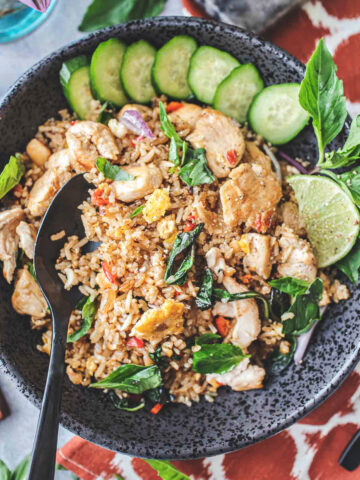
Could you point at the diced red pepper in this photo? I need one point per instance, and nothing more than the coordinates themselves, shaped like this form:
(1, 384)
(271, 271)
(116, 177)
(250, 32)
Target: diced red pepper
(156, 408)
(231, 157)
(223, 325)
(140, 138)
(173, 106)
(191, 218)
(246, 278)
(108, 272)
(189, 227)
(72, 122)
(97, 198)
(135, 342)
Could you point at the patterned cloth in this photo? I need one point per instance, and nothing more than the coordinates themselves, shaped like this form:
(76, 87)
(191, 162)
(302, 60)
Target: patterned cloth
(310, 449)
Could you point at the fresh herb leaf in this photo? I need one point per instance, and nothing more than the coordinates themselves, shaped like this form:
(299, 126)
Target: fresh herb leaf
(350, 153)
(166, 470)
(279, 361)
(217, 358)
(5, 473)
(106, 113)
(21, 471)
(11, 175)
(132, 378)
(184, 243)
(81, 303)
(350, 264)
(225, 296)
(185, 147)
(173, 153)
(322, 96)
(167, 127)
(279, 303)
(104, 13)
(290, 285)
(114, 172)
(158, 395)
(88, 314)
(204, 299)
(137, 211)
(351, 180)
(31, 269)
(125, 403)
(158, 358)
(195, 170)
(207, 338)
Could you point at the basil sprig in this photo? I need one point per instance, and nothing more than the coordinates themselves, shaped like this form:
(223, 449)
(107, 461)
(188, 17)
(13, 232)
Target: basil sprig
(350, 264)
(132, 378)
(137, 211)
(125, 403)
(184, 243)
(280, 361)
(88, 310)
(349, 153)
(114, 172)
(290, 285)
(11, 175)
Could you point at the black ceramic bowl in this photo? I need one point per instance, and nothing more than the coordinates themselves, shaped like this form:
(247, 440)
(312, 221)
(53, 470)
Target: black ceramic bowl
(234, 420)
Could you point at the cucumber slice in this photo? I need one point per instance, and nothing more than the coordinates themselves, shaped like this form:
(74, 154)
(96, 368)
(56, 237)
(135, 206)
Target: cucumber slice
(208, 67)
(236, 92)
(276, 114)
(136, 71)
(105, 72)
(75, 80)
(171, 67)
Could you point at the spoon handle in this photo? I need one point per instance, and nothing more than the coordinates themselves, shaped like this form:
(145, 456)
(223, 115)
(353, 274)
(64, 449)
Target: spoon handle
(44, 451)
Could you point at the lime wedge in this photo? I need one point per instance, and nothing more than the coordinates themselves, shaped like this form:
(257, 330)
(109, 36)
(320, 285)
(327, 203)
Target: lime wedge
(330, 217)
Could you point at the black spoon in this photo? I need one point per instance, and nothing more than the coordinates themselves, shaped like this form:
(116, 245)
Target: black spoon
(63, 214)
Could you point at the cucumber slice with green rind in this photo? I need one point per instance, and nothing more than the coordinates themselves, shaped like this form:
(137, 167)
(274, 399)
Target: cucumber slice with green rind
(105, 72)
(208, 67)
(75, 80)
(136, 71)
(235, 93)
(171, 67)
(276, 113)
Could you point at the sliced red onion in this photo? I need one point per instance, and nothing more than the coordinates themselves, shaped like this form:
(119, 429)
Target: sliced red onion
(136, 124)
(39, 5)
(303, 340)
(292, 162)
(274, 161)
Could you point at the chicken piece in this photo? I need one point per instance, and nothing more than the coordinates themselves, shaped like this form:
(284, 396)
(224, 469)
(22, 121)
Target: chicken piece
(253, 154)
(289, 214)
(157, 323)
(147, 179)
(211, 220)
(259, 253)
(222, 139)
(251, 192)
(156, 205)
(44, 190)
(117, 128)
(62, 160)
(216, 262)
(188, 114)
(89, 140)
(27, 298)
(296, 258)
(243, 377)
(27, 235)
(246, 326)
(9, 240)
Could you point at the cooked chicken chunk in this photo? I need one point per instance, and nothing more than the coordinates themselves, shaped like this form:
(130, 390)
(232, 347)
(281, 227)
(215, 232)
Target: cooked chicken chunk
(296, 258)
(147, 179)
(213, 223)
(27, 235)
(216, 262)
(61, 160)
(9, 240)
(222, 139)
(259, 253)
(188, 114)
(253, 154)
(246, 325)
(289, 213)
(243, 377)
(27, 298)
(251, 192)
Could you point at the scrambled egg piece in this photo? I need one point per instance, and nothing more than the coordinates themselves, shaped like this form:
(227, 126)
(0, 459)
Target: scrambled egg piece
(156, 206)
(157, 323)
(167, 229)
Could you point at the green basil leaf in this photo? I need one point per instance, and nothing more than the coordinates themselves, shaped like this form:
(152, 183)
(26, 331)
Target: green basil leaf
(183, 243)
(279, 303)
(204, 299)
(173, 153)
(207, 338)
(290, 285)
(352, 181)
(166, 470)
(195, 170)
(11, 175)
(350, 264)
(125, 403)
(279, 361)
(132, 378)
(322, 96)
(137, 211)
(31, 269)
(158, 358)
(104, 13)
(185, 147)
(158, 395)
(106, 113)
(5, 473)
(225, 296)
(81, 303)
(114, 172)
(21, 471)
(217, 358)
(88, 314)
(167, 127)
(350, 153)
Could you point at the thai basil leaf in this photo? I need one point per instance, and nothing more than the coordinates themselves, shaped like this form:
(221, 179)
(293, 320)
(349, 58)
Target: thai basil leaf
(185, 147)
(166, 470)
(279, 361)
(217, 358)
(350, 153)
(184, 242)
(106, 113)
(137, 211)
(160, 360)
(168, 128)
(207, 338)
(11, 175)
(132, 378)
(279, 303)
(5, 473)
(104, 13)
(350, 264)
(204, 298)
(225, 296)
(114, 172)
(88, 314)
(173, 153)
(290, 285)
(158, 395)
(125, 403)
(195, 170)
(322, 96)
(31, 269)
(21, 471)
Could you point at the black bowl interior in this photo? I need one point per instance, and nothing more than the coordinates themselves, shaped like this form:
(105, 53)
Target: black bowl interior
(234, 420)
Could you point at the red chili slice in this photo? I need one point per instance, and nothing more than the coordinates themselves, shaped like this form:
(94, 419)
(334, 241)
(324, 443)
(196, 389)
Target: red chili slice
(156, 408)
(135, 342)
(173, 106)
(231, 157)
(189, 227)
(108, 272)
(97, 199)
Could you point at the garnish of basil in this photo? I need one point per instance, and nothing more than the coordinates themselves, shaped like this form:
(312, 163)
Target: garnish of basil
(11, 175)
(184, 243)
(351, 263)
(125, 403)
(195, 170)
(132, 378)
(167, 127)
(113, 172)
(290, 285)
(88, 310)
(137, 211)
(204, 299)
(280, 361)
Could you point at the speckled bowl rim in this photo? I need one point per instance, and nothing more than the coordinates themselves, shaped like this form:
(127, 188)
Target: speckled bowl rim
(67, 421)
